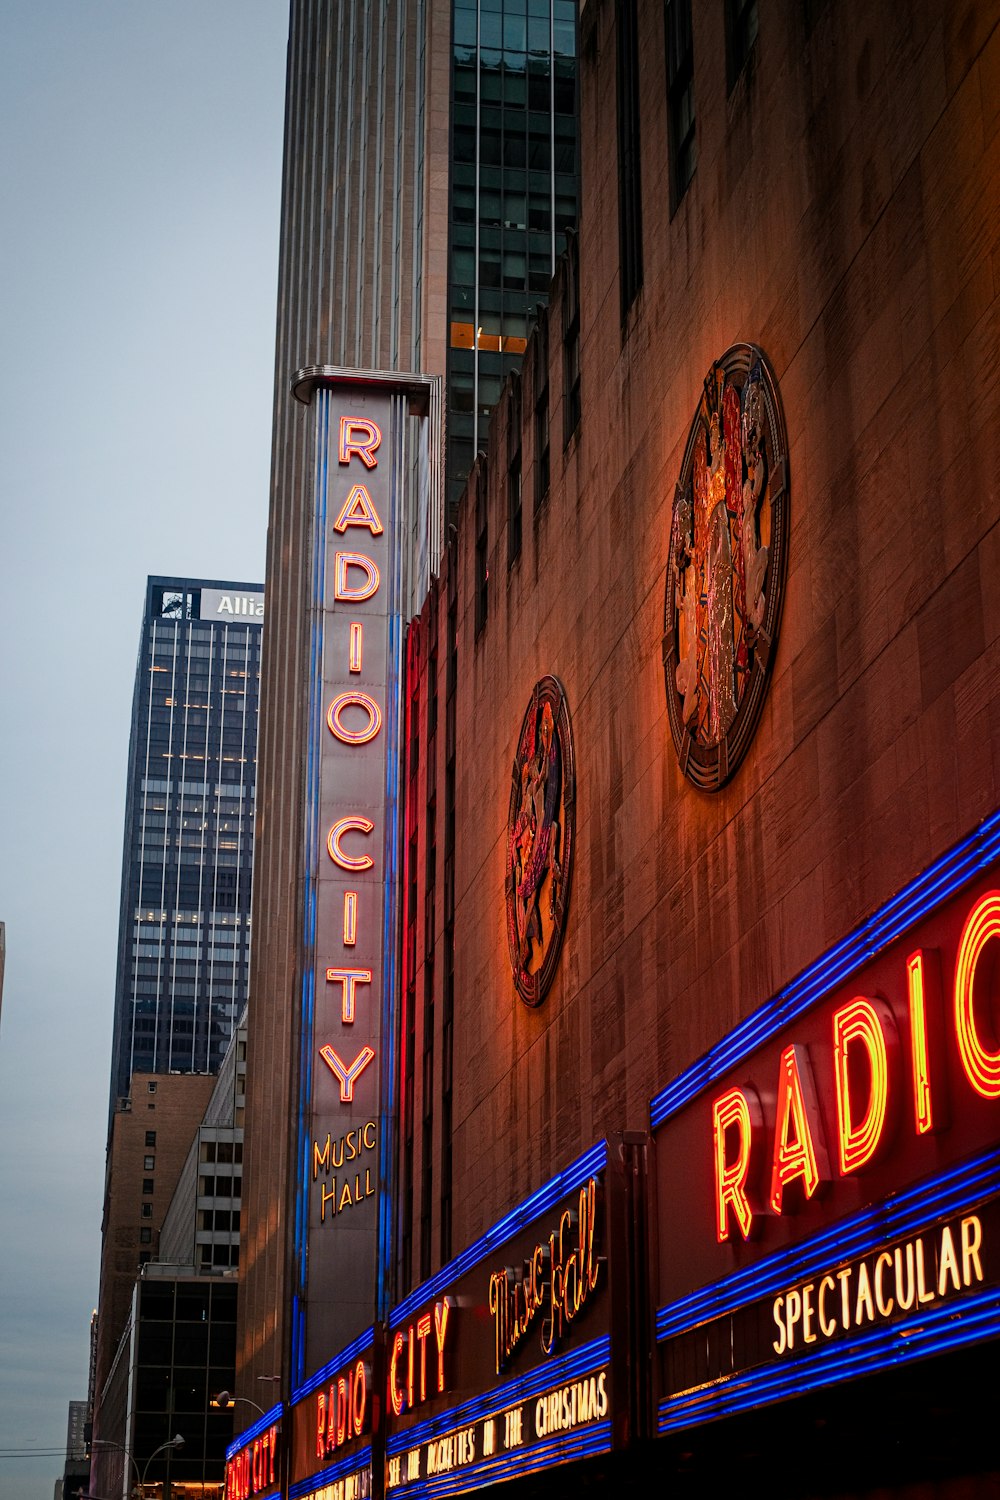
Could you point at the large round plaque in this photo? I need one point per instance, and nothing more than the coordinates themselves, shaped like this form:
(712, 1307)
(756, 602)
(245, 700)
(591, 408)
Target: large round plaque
(540, 825)
(726, 568)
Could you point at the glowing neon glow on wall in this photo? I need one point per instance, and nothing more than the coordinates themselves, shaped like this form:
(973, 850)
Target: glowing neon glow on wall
(355, 593)
(347, 1073)
(982, 927)
(799, 1144)
(737, 1111)
(352, 862)
(358, 510)
(368, 706)
(361, 438)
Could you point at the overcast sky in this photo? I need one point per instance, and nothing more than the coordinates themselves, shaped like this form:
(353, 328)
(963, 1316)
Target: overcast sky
(140, 148)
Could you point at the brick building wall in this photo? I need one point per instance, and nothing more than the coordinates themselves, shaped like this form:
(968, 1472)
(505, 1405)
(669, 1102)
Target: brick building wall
(149, 1145)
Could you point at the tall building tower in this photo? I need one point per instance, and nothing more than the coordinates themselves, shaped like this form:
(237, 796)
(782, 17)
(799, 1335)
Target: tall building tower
(184, 934)
(429, 172)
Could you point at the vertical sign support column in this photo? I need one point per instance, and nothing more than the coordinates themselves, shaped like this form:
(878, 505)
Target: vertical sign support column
(369, 519)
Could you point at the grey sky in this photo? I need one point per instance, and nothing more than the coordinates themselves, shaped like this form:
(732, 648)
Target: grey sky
(140, 149)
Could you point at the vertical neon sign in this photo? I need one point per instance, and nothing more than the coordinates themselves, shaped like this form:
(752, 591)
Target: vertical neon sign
(361, 588)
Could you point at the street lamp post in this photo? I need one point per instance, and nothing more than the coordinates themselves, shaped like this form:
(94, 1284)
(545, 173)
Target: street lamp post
(226, 1399)
(171, 1443)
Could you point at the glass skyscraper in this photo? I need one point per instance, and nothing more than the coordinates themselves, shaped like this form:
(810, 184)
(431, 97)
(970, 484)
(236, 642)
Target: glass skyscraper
(184, 934)
(513, 193)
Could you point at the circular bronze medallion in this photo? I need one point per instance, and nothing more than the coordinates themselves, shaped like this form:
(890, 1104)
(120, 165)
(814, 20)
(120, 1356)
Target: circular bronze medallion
(540, 840)
(726, 571)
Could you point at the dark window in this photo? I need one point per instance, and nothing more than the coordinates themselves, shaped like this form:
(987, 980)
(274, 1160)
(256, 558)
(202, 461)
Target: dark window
(150, 1137)
(147, 1185)
(541, 411)
(145, 1256)
(629, 179)
(482, 548)
(145, 1236)
(741, 33)
(680, 97)
(514, 473)
(147, 1210)
(151, 1086)
(571, 337)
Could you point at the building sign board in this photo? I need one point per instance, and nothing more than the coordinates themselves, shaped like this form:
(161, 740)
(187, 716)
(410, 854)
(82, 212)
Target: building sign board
(235, 606)
(514, 1358)
(375, 512)
(835, 1162)
(255, 1461)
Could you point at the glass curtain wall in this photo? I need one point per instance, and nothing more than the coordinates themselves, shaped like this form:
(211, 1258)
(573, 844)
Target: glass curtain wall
(513, 193)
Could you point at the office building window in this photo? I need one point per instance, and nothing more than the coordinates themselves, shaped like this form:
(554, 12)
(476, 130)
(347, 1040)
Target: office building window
(145, 1236)
(150, 1137)
(147, 1185)
(680, 97)
(741, 33)
(629, 170)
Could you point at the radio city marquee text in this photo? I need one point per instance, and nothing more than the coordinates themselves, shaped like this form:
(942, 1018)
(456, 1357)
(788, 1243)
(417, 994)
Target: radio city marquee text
(552, 1285)
(342, 1409)
(560, 1410)
(869, 1074)
(417, 1359)
(354, 718)
(254, 1469)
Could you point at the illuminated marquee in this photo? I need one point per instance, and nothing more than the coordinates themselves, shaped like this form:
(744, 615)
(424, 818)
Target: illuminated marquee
(509, 1360)
(840, 1179)
(554, 1283)
(254, 1462)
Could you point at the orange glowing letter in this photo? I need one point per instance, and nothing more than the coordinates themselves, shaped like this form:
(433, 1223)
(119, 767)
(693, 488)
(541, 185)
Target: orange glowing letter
(337, 726)
(359, 1397)
(799, 1145)
(348, 978)
(355, 593)
(350, 918)
(346, 1073)
(982, 1067)
(358, 435)
(859, 1021)
(348, 861)
(358, 510)
(923, 975)
(356, 646)
(440, 1328)
(737, 1109)
(395, 1394)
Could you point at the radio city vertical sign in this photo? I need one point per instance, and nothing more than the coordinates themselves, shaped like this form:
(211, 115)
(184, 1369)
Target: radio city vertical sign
(368, 509)
(835, 1161)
